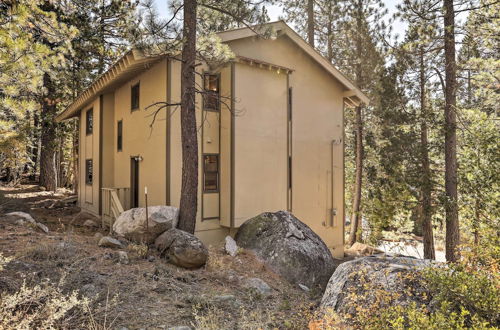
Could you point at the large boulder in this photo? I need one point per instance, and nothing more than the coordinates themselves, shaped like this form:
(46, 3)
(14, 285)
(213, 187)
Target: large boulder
(182, 249)
(375, 280)
(289, 247)
(131, 224)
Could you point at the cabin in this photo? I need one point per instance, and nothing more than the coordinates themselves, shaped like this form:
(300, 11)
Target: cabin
(271, 136)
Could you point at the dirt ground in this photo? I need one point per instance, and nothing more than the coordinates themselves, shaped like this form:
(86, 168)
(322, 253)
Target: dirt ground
(146, 293)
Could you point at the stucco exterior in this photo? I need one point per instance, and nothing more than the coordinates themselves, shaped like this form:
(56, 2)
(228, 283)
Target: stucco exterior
(278, 136)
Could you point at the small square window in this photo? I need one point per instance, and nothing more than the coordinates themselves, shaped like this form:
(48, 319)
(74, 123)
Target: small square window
(134, 97)
(89, 172)
(119, 137)
(211, 97)
(89, 121)
(211, 173)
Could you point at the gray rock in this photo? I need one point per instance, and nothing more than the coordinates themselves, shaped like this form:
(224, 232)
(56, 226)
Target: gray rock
(91, 224)
(131, 224)
(182, 249)
(355, 282)
(231, 247)
(224, 298)
(303, 287)
(98, 236)
(110, 242)
(289, 247)
(123, 257)
(180, 327)
(42, 227)
(258, 285)
(14, 216)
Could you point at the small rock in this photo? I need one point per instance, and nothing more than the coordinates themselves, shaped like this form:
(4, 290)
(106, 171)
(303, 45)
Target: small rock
(110, 242)
(258, 285)
(20, 222)
(180, 327)
(98, 236)
(182, 248)
(151, 258)
(123, 257)
(21, 215)
(231, 246)
(89, 290)
(42, 227)
(91, 224)
(303, 287)
(41, 188)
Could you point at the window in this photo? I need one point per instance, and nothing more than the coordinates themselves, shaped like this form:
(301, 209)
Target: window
(211, 100)
(89, 121)
(88, 171)
(211, 173)
(119, 137)
(134, 97)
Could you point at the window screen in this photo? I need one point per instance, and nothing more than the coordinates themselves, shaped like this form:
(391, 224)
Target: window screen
(89, 122)
(88, 171)
(119, 137)
(135, 94)
(210, 173)
(211, 100)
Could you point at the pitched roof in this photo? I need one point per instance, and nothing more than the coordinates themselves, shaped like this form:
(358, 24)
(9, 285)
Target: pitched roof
(134, 62)
(353, 93)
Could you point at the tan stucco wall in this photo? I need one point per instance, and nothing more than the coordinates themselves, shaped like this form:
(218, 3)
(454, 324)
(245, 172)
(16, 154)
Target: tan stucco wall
(108, 140)
(139, 139)
(261, 158)
(317, 120)
(88, 195)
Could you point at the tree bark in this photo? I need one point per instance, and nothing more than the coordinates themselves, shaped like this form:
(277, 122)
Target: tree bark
(310, 22)
(450, 144)
(356, 203)
(426, 187)
(189, 189)
(48, 172)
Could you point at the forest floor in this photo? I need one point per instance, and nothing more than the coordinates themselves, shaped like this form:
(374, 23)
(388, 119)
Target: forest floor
(145, 293)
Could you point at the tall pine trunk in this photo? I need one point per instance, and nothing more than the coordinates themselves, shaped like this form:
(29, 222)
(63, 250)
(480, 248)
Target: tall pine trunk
(355, 233)
(189, 189)
(356, 203)
(450, 144)
(426, 187)
(310, 22)
(48, 171)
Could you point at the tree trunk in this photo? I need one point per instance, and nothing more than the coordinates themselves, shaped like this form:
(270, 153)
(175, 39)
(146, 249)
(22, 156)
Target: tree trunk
(48, 172)
(329, 44)
(189, 189)
(426, 187)
(310, 22)
(450, 144)
(356, 203)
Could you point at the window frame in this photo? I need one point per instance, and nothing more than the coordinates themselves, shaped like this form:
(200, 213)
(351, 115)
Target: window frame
(132, 106)
(217, 172)
(87, 181)
(119, 135)
(217, 107)
(89, 129)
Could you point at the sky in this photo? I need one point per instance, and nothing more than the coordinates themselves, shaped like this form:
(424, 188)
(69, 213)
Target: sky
(275, 12)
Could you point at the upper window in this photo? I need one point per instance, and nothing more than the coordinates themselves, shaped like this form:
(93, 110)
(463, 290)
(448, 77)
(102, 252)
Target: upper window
(134, 96)
(211, 173)
(119, 136)
(88, 171)
(211, 99)
(89, 121)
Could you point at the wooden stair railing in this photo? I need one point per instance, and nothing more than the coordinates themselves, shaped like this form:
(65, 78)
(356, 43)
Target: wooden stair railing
(114, 202)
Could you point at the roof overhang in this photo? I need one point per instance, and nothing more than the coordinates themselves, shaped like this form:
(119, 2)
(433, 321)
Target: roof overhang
(352, 94)
(128, 66)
